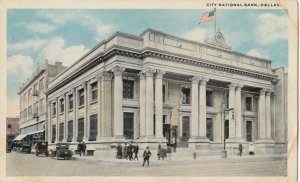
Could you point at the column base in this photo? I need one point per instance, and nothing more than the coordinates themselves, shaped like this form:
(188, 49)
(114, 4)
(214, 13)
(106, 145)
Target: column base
(198, 140)
(235, 140)
(264, 146)
(265, 141)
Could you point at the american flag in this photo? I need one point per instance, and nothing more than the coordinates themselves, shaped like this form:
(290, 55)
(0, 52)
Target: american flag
(207, 17)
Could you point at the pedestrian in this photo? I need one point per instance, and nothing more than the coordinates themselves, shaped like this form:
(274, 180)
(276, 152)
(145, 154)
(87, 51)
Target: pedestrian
(240, 149)
(163, 151)
(158, 151)
(136, 151)
(79, 148)
(130, 150)
(83, 148)
(119, 151)
(251, 149)
(146, 156)
(125, 151)
(174, 144)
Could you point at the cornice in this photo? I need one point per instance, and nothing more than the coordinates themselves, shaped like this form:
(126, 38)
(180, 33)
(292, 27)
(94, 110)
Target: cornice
(138, 54)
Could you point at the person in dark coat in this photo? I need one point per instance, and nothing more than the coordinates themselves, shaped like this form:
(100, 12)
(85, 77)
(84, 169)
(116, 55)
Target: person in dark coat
(125, 155)
(119, 151)
(159, 151)
(240, 149)
(136, 151)
(130, 151)
(83, 148)
(79, 148)
(146, 156)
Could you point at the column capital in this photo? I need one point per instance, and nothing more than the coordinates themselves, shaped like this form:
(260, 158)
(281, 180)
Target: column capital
(239, 87)
(149, 72)
(269, 92)
(232, 85)
(118, 70)
(160, 73)
(262, 91)
(204, 80)
(195, 79)
(105, 76)
(142, 75)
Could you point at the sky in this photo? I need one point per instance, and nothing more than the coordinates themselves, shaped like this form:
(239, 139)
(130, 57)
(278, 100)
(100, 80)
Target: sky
(34, 35)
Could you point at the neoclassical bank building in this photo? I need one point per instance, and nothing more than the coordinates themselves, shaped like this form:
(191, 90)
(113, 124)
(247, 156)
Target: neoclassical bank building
(158, 87)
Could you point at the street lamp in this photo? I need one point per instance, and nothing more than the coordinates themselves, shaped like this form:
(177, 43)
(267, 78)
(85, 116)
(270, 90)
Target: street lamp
(224, 152)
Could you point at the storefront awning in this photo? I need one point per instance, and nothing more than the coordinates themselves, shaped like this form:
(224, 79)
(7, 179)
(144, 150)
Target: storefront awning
(20, 137)
(35, 132)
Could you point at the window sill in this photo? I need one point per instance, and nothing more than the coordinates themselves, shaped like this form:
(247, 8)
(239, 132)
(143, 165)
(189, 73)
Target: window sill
(54, 116)
(62, 113)
(93, 102)
(70, 110)
(82, 106)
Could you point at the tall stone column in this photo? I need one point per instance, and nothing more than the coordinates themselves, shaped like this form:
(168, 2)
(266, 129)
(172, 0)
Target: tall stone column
(57, 123)
(66, 117)
(238, 111)
(231, 104)
(99, 121)
(118, 96)
(268, 115)
(195, 105)
(142, 105)
(106, 105)
(159, 104)
(86, 114)
(262, 114)
(149, 72)
(75, 109)
(202, 109)
(48, 130)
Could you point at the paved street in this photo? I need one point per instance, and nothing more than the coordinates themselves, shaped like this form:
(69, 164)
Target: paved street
(28, 164)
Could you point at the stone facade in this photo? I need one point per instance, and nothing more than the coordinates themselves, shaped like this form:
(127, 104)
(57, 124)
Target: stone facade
(155, 87)
(33, 113)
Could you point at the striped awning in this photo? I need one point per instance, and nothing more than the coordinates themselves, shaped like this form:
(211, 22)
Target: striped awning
(20, 137)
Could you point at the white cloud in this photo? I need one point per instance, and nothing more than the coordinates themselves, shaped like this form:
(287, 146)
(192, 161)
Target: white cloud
(271, 28)
(20, 66)
(40, 27)
(258, 53)
(33, 44)
(199, 35)
(56, 51)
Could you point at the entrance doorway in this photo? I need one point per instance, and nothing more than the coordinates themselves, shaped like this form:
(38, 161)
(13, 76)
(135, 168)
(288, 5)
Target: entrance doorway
(128, 125)
(249, 131)
(185, 128)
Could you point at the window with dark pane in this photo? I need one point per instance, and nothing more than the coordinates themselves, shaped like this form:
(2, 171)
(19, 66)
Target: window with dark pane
(54, 109)
(164, 92)
(128, 125)
(80, 129)
(8, 126)
(185, 128)
(128, 89)
(154, 124)
(81, 97)
(70, 131)
(53, 138)
(185, 95)
(209, 129)
(62, 106)
(71, 101)
(94, 91)
(61, 132)
(249, 103)
(209, 98)
(93, 127)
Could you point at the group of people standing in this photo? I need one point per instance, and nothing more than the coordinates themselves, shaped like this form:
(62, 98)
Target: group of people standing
(127, 151)
(81, 147)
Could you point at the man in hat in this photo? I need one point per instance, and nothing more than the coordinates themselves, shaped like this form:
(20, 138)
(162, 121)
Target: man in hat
(146, 156)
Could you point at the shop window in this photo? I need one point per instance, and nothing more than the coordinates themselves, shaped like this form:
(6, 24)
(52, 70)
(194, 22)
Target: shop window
(249, 105)
(71, 102)
(185, 95)
(93, 127)
(62, 105)
(70, 131)
(61, 132)
(94, 92)
(209, 98)
(81, 97)
(53, 138)
(80, 129)
(210, 129)
(128, 89)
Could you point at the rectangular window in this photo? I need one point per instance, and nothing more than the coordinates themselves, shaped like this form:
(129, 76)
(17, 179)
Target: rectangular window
(42, 106)
(25, 114)
(61, 131)
(8, 126)
(185, 128)
(94, 92)
(70, 131)
(29, 94)
(80, 129)
(164, 91)
(185, 95)
(154, 124)
(209, 129)
(62, 106)
(93, 127)
(35, 88)
(249, 104)
(71, 102)
(53, 108)
(30, 112)
(209, 98)
(41, 84)
(53, 138)
(128, 89)
(81, 97)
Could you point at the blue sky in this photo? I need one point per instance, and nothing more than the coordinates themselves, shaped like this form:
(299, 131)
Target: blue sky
(65, 35)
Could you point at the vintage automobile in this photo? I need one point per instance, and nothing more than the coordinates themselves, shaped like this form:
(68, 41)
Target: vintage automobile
(25, 147)
(41, 147)
(62, 151)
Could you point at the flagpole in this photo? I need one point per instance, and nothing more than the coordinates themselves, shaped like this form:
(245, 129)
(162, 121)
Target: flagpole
(215, 19)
